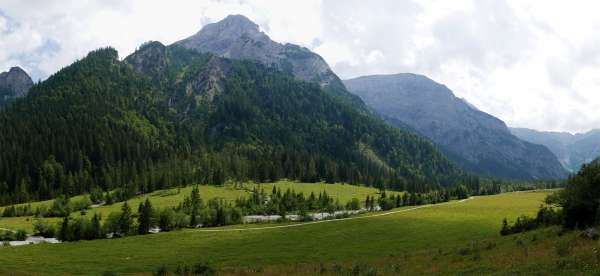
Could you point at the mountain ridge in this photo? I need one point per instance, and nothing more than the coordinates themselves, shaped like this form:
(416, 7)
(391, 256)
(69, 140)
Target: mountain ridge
(237, 37)
(572, 150)
(478, 141)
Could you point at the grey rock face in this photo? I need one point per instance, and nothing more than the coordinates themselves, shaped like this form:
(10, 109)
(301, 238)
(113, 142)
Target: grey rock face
(572, 150)
(237, 37)
(481, 143)
(13, 84)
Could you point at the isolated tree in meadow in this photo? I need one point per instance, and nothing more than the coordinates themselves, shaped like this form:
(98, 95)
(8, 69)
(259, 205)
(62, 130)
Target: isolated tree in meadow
(125, 219)
(166, 220)
(64, 234)
(145, 213)
(95, 228)
(368, 203)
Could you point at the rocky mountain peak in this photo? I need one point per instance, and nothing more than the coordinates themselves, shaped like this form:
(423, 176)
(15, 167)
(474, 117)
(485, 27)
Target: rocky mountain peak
(237, 37)
(14, 84)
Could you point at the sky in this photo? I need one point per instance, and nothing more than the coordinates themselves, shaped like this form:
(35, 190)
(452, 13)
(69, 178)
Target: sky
(533, 64)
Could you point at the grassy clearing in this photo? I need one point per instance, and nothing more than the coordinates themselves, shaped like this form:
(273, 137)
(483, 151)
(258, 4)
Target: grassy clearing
(172, 198)
(439, 228)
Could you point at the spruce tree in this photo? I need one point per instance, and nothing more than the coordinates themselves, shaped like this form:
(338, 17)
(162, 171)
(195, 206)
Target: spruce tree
(95, 228)
(125, 220)
(145, 214)
(65, 232)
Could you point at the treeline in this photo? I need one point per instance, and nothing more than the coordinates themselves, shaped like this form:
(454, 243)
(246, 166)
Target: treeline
(61, 206)
(282, 203)
(546, 216)
(193, 212)
(100, 125)
(576, 206)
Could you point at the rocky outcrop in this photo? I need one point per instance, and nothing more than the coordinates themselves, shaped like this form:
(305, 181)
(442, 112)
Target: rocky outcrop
(480, 142)
(13, 84)
(236, 37)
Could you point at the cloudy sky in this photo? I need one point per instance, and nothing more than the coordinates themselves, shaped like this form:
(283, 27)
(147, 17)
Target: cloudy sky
(531, 63)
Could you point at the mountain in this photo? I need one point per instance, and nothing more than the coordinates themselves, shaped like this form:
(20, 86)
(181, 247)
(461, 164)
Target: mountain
(477, 141)
(236, 37)
(168, 115)
(13, 84)
(572, 150)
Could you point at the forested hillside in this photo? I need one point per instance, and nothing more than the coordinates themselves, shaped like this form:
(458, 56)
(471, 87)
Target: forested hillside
(168, 116)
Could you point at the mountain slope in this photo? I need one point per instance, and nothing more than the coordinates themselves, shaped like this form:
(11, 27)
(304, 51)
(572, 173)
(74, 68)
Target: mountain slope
(478, 141)
(237, 37)
(167, 116)
(13, 84)
(572, 150)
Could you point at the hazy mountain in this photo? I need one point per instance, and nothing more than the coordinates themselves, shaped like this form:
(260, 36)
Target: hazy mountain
(237, 37)
(13, 84)
(572, 150)
(478, 141)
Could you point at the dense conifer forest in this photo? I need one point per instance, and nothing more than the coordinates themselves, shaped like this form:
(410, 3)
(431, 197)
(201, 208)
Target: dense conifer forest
(187, 117)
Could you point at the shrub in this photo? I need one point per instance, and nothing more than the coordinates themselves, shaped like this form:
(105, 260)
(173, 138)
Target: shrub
(564, 247)
(20, 235)
(161, 271)
(202, 268)
(43, 228)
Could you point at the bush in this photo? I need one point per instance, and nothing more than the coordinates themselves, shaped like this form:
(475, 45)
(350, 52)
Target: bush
(43, 228)
(161, 271)
(564, 247)
(7, 236)
(166, 220)
(203, 268)
(20, 235)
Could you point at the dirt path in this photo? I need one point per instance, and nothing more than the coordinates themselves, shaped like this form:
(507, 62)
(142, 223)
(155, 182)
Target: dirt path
(331, 220)
(318, 221)
(6, 229)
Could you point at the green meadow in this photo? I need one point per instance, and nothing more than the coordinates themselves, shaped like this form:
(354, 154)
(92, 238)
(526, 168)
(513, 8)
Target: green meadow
(406, 238)
(230, 192)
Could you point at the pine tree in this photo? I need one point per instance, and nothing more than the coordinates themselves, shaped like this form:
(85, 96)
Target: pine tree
(65, 232)
(95, 228)
(125, 219)
(145, 214)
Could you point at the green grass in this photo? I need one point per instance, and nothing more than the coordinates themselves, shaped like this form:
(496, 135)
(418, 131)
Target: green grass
(444, 228)
(172, 198)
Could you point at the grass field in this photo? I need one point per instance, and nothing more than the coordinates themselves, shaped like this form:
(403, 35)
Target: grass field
(420, 241)
(172, 198)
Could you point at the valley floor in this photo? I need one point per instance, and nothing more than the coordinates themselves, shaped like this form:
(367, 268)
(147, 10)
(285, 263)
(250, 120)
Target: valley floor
(457, 237)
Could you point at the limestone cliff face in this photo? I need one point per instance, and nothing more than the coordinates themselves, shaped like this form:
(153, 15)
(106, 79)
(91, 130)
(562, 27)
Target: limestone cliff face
(237, 37)
(13, 84)
(478, 141)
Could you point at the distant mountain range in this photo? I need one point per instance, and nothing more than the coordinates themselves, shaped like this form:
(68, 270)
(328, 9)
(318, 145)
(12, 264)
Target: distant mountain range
(479, 142)
(572, 150)
(13, 84)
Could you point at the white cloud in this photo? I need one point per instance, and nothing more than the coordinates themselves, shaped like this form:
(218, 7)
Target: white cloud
(531, 63)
